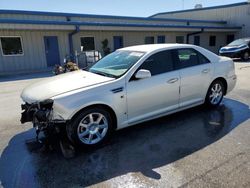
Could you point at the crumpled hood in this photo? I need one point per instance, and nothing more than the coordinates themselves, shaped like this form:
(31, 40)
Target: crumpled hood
(57, 85)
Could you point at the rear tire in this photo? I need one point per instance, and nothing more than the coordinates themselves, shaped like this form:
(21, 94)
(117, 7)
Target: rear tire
(90, 128)
(215, 93)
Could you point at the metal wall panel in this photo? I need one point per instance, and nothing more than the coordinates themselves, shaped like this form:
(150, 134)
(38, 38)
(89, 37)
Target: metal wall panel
(130, 38)
(221, 39)
(36, 27)
(32, 17)
(142, 21)
(238, 15)
(100, 19)
(34, 53)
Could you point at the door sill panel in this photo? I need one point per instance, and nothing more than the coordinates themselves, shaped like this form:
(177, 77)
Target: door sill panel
(162, 114)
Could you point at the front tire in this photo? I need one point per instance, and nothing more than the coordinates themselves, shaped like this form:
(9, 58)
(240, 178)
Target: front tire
(215, 93)
(245, 56)
(90, 128)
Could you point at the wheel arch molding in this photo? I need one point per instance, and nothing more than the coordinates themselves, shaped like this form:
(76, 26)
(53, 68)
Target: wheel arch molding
(98, 105)
(223, 80)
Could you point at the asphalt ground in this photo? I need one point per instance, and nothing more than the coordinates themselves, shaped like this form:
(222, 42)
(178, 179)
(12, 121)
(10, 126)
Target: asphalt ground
(198, 147)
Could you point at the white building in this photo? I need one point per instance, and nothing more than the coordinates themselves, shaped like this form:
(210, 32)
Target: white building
(34, 41)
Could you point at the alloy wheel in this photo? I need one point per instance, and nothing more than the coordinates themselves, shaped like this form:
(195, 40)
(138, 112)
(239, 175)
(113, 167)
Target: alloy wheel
(216, 94)
(92, 128)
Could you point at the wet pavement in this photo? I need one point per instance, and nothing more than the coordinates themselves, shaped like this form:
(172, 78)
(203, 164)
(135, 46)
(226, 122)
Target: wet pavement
(195, 148)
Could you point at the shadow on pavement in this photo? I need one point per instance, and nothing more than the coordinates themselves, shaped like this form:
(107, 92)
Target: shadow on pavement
(139, 148)
(28, 76)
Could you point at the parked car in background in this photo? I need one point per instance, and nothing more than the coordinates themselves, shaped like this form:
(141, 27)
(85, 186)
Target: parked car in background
(239, 48)
(126, 87)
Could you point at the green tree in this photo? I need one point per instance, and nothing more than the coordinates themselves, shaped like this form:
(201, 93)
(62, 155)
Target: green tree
(105, 48)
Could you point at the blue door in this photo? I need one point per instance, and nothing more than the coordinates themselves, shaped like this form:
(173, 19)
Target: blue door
(160, 39)
(118, 42)
(51, 50)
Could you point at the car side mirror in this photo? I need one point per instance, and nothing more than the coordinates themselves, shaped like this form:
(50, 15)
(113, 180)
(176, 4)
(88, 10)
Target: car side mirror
(142, 74)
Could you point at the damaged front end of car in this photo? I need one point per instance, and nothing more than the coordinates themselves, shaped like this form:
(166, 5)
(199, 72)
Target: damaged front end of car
(37, 112)
(41, 115)
(48, 122)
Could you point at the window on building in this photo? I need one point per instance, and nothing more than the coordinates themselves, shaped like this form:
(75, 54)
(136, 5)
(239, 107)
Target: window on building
(87, 43)
(180, 39)
(197, 40)
(11, 46)
(230, 38)
(159, 63)
(212, 41)
(160, 39)
(149, 40)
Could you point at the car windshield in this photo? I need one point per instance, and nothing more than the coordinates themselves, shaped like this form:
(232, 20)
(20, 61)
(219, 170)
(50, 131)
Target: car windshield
(237, 42)
(116, 63)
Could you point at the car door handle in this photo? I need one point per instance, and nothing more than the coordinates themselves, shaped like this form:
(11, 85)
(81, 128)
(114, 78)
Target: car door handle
(172, 80)
(205, 70)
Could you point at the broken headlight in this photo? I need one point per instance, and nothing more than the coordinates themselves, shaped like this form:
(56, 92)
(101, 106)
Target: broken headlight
(39, 111)
(46, 104)
(44, 109)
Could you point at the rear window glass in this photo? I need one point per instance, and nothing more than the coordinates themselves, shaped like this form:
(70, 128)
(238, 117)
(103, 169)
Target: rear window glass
(190, 57)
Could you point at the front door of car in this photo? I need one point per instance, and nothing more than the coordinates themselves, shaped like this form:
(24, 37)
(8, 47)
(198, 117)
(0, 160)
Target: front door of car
(195, 72)
(157, 94)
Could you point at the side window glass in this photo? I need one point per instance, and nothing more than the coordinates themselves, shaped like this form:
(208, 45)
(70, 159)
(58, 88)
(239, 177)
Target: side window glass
(159, 63)
(187, 58)
(203, 59)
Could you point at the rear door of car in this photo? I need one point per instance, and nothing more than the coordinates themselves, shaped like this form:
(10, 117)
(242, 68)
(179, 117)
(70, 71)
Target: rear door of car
(195, 74)
(157, 94)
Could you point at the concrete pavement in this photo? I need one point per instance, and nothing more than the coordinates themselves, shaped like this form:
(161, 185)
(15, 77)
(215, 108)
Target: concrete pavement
(194, 148)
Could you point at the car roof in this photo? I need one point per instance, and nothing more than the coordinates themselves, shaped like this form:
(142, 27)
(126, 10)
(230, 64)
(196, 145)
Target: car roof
(153, 47)
(148, 48)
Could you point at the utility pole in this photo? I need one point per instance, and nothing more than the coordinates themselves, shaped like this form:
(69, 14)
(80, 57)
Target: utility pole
(182, 4)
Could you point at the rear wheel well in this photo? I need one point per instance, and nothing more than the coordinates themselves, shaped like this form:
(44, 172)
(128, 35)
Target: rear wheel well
(223, 80)
(103, 106)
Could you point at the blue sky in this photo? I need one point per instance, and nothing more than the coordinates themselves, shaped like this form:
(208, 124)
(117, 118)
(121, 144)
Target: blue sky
(140, 8)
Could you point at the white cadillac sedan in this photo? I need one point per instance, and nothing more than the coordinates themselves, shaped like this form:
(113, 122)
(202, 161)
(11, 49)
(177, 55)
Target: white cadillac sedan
(129, 86)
